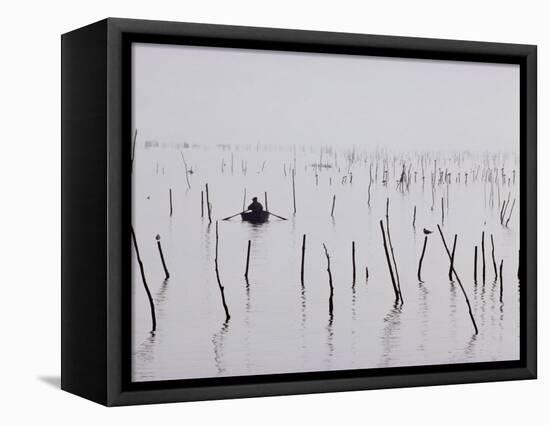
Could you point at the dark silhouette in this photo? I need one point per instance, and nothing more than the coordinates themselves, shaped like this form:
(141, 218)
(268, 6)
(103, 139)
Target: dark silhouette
(255, 206)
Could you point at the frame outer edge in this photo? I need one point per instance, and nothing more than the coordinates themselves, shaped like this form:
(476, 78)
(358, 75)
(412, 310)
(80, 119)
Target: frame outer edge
(116, 395)
(531, 213)
(83, 213)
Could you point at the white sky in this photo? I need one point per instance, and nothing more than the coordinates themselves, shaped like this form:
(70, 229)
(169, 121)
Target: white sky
(210, 95)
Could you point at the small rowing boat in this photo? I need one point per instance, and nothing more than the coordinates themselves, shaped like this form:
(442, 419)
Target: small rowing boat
(255, 217)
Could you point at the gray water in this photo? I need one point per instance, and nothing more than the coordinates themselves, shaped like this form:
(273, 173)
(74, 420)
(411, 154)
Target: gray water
(278, 326)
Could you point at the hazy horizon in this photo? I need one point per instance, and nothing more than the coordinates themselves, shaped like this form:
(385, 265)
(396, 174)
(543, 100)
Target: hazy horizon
(210, 96)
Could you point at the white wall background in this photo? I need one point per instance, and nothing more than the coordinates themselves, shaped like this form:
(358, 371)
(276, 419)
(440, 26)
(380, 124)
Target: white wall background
(30, 212)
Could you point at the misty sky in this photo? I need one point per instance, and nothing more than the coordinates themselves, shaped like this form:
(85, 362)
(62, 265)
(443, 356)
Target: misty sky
(209, 95)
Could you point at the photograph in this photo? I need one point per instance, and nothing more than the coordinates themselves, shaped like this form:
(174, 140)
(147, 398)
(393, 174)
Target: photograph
(296, 212)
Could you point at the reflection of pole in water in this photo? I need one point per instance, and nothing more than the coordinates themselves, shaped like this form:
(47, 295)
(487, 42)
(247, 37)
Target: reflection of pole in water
(423, 310)
(218, 341)
(389, 340)
(330, 341)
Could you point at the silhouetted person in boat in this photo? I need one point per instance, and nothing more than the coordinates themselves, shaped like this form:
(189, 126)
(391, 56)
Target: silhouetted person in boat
(255, 206)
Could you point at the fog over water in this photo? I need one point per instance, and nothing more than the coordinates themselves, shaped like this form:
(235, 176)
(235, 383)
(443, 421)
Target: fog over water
(247, 120)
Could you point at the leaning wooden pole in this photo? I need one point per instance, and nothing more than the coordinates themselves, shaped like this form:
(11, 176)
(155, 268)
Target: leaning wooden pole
(391, 250)
(208, 206)
(142, 271)
(452, 259)
(222, 289)
(247, 259)
(422, 259)
(459, 282)
(389, 262)
(333, 203)
(166, 274)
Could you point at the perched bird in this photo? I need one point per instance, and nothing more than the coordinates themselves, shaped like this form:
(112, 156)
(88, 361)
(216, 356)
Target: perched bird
(426, 231)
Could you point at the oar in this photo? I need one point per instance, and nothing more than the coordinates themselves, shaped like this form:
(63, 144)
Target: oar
(278, 216)
(231, 216)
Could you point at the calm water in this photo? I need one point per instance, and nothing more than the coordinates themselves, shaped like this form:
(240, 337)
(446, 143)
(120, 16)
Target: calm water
(278, 326)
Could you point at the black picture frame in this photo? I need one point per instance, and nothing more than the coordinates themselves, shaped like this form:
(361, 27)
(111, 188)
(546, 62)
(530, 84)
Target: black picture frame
(96, 141)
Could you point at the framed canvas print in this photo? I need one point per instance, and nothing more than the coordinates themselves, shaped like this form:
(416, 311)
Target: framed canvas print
(252, 212)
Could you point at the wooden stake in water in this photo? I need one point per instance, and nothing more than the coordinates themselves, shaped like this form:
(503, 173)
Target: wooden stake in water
(247, 259)
(293, 190)
(208, 205)
(133, 152)
(459, 282)
(333, 203)
(483, 257)
(167, 275)
(452, 259)
(330, 300)
(493, 256)
(389, 262)
(475, 264)
(519, 263)
(391, 249)
(353, 260)
(501, 263)
(244, 199)
(202, 203)
(170, 193)
(141, 269)
(303, 259)
(422, 259)
(265, 198)
(414, 217)
(511, 211)
(186, 171)
(222, 289)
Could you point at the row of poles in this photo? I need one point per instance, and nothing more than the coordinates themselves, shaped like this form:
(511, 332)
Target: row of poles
(389, 255)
